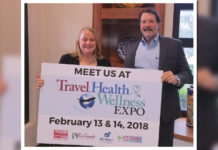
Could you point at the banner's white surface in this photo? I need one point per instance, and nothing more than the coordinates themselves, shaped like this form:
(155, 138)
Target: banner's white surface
(99, 106)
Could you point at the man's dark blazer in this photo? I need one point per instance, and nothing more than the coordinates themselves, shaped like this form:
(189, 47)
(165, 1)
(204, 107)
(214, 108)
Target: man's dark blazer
(172, 58)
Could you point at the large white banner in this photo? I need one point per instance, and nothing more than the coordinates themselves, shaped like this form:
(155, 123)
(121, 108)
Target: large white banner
(99, 106)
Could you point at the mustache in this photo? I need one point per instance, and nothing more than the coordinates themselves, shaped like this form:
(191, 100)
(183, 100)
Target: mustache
(148, 29)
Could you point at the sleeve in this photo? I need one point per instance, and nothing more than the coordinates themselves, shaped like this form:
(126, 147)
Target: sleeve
(184, 71)
(63, 59)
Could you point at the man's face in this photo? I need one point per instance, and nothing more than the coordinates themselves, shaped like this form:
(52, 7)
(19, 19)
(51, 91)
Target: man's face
(149, 26)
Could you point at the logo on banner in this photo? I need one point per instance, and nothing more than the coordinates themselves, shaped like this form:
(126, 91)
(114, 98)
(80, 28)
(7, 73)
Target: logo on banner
(135, 90)
(126, 100)
(106, 138)
(107, 134)
(81, 136)
(87, 101)
(131, 139)
(60, 134)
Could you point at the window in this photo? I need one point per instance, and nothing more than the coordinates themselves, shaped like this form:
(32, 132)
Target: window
(183, 30)
(186, 24)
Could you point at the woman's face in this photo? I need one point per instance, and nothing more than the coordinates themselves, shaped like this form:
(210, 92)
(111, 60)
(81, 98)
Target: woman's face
(87, 42)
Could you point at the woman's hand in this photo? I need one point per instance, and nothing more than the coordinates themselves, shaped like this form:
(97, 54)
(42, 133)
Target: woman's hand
(3, 86)
(40, 82)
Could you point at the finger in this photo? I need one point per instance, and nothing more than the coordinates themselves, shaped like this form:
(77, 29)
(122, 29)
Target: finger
(41, 82)
(163, 77)
(166, 76)
(38, 76)
(168, 73)
(172, 81)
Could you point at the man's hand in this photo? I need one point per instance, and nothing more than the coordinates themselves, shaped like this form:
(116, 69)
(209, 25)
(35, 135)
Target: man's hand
(169, 77)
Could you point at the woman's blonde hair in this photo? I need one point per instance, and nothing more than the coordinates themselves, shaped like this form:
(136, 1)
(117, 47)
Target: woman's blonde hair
(77, 51)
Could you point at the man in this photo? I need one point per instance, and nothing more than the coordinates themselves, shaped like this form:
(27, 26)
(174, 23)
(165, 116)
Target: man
(156, 52)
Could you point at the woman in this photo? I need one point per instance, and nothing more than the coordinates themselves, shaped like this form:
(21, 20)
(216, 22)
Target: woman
(87, 52)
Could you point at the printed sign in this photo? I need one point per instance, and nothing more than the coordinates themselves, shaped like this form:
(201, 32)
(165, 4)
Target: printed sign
(99, 106)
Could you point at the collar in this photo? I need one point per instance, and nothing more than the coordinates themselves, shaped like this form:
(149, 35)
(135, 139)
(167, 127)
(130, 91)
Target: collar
(154, 41)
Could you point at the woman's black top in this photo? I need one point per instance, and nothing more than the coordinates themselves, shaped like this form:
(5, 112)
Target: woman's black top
(69, 59)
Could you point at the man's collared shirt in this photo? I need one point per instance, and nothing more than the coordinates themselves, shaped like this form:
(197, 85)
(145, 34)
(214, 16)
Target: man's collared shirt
(147, 56)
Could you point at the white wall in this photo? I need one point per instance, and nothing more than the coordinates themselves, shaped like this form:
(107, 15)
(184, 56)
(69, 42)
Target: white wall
(10, 27)
(168, 22)
(53, 29)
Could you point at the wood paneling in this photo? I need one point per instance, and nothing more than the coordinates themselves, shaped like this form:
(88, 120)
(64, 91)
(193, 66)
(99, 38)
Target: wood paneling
(114, 24)
(182, 131)
(120, 13)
